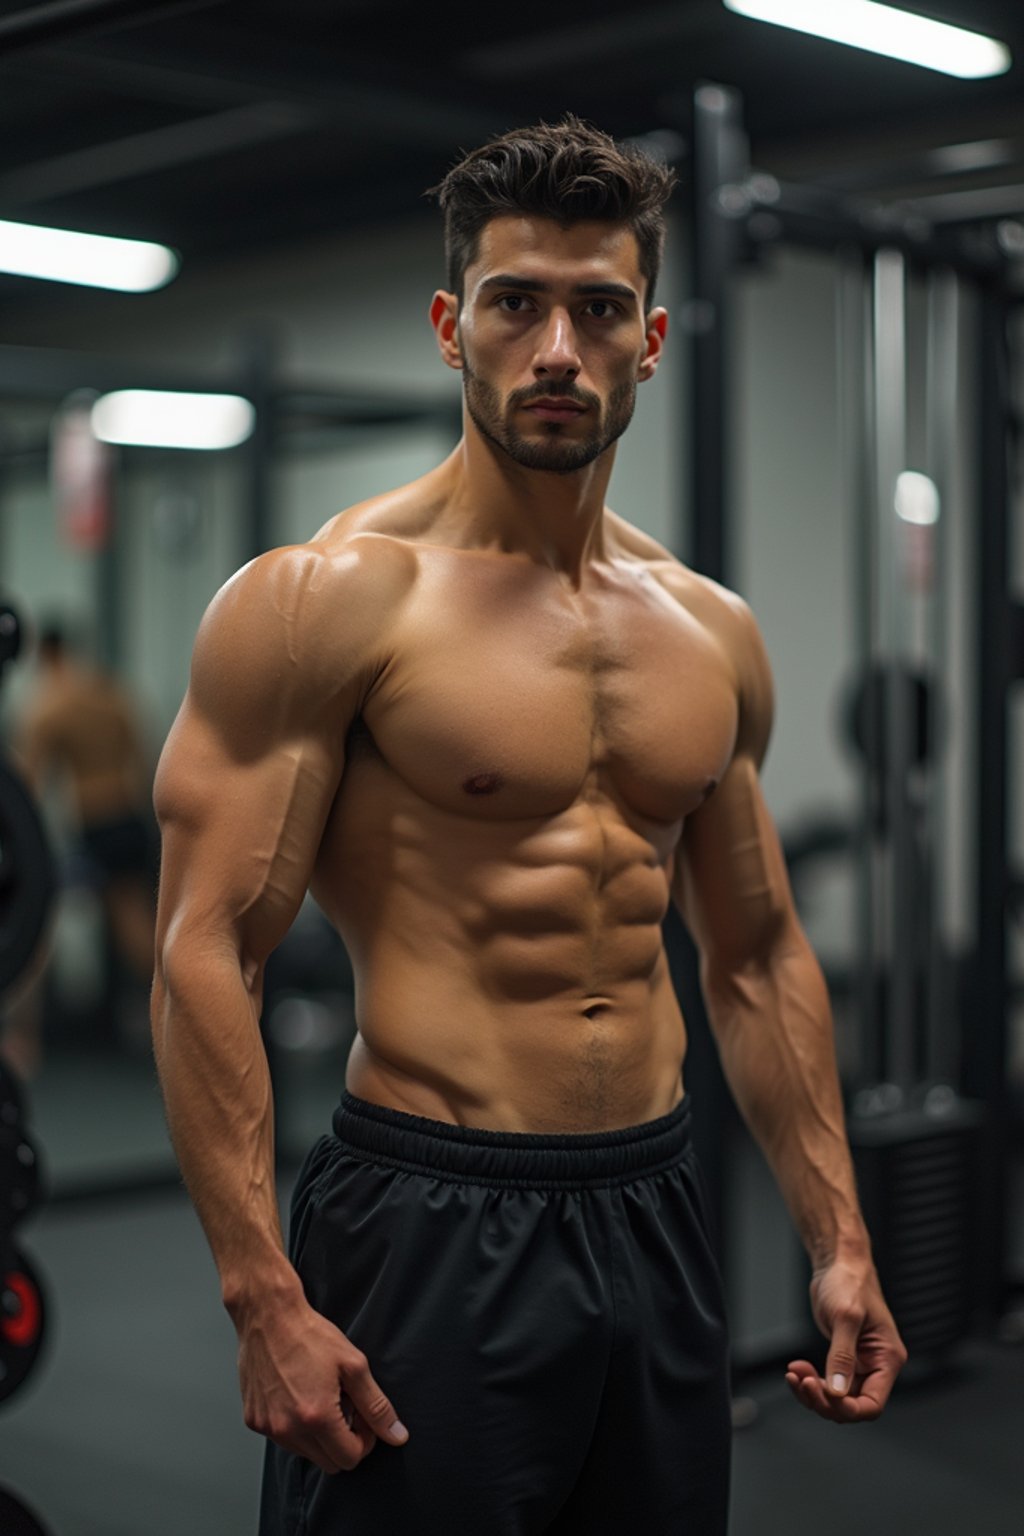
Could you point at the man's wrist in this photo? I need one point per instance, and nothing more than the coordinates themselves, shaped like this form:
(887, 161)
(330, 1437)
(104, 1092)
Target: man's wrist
(850, 1244)
(248, 1293)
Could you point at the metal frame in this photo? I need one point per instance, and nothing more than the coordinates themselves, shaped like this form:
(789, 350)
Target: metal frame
(988, 995)
(720, 159)
(736, 211)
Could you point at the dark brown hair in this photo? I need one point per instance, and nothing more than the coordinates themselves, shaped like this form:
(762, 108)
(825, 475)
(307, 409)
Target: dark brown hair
(567, 171)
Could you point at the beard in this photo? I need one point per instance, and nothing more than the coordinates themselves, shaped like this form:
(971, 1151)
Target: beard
(557, 453)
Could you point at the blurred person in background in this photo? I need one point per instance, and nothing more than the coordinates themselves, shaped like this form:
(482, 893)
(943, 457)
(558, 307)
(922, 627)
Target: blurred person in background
(79, 739)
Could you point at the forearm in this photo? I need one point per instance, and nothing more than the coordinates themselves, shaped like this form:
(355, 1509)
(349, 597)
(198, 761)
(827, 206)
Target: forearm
(216, 1086)
(773, 1025)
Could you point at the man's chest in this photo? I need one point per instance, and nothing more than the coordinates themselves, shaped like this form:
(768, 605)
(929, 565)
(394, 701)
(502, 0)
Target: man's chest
(512, 699)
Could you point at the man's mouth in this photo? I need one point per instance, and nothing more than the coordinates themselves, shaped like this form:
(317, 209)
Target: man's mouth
(555, 410)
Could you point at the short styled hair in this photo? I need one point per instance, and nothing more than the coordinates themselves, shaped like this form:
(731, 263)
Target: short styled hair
(567, 171)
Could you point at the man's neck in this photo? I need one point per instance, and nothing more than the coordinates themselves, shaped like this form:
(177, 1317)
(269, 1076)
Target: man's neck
(555, 519)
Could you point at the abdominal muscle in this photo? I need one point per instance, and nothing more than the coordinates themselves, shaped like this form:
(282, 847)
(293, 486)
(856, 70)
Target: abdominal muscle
(509, 975)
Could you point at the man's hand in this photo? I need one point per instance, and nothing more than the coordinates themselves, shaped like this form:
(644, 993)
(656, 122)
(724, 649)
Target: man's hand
(865, 1348)
(309, 1389)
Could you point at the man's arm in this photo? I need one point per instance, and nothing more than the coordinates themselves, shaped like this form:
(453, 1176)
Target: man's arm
(243, 790)
(769, 1010)
(34, 747)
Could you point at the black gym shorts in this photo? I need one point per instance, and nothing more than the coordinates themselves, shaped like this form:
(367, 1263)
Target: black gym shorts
(545, 1313)
(117, 847)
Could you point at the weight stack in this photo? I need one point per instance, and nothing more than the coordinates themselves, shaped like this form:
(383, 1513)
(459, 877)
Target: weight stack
(917, 1170)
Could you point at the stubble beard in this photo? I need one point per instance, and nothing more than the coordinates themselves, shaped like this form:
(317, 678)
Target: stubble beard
(558, 454)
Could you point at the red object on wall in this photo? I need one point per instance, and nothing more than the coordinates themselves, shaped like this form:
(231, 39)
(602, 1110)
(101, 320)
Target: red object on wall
(81, 475)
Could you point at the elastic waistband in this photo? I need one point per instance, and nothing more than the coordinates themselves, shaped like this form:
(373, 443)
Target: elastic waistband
(522, 1159)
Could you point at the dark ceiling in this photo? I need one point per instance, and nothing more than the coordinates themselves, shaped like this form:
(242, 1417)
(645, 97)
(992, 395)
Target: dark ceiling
(221, 126)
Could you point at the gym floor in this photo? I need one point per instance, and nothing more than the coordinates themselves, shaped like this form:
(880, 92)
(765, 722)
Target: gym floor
(130, 1425)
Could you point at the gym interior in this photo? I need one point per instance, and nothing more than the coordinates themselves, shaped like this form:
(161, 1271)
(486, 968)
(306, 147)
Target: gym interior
(836, 434)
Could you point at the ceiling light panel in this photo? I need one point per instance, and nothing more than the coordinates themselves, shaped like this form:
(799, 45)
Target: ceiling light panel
(160, 418)
(888, 30)
(93, 261)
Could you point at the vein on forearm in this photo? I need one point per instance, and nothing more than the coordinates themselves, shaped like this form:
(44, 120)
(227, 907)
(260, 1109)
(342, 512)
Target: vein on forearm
(773, 1025)
(217, 1093)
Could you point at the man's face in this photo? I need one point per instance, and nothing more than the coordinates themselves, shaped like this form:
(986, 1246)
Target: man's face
(552, 338)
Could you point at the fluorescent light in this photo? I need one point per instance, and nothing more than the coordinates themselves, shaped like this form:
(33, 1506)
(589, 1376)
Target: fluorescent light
(917, 499)
(888, 30)
(94, 261)
(160, 418)
(979, 155)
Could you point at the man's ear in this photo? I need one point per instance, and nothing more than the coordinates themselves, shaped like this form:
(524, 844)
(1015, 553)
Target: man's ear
(444, 317)
(656, 325)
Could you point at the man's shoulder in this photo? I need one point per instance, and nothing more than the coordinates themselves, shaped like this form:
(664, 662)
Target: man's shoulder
(347, 572)
(304, 621)
(708, 601)
(729, 619)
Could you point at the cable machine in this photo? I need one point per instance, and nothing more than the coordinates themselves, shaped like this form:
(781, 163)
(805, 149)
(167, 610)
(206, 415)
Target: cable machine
(929, 1116)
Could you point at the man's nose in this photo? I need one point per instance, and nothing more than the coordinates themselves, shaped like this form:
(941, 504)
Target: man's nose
(557, 356)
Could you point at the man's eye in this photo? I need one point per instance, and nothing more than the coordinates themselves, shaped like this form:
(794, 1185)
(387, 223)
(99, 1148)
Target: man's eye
(601, 309)
(514, 302)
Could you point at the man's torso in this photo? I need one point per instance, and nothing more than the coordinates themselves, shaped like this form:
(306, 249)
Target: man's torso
(499, 854)
(87, 730)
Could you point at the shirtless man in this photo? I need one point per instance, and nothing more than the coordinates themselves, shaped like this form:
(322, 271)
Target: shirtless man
(81, 729)
(496, 729)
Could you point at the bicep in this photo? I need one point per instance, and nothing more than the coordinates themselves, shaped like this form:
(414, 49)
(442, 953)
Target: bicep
(239, 835)
(730, 882)
(249, 772)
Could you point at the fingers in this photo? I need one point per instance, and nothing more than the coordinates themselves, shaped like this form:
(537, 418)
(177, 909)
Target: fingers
(335, 1442)
(372, 1405)
(856, 1407)
(865, 1352)
(363, 1414)
(325, 1439)
(342, 1445)
(842, 1354)
(335, 1420)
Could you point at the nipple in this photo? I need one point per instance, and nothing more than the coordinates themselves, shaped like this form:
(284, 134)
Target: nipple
(482, 784)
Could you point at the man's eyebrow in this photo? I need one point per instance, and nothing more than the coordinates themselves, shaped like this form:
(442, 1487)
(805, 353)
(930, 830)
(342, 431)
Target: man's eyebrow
(534, 285)
(510, 280)
(617, 290)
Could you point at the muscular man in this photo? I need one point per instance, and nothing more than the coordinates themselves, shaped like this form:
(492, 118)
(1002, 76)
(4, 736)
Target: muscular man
(495, 728)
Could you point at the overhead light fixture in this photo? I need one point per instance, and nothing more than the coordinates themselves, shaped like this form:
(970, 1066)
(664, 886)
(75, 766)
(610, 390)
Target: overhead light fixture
(94, 261)
(888, 30)
(160, 418)
(979, 155)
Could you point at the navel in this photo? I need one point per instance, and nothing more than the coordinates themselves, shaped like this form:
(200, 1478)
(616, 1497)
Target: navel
(596, 1009)
(482, 784)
